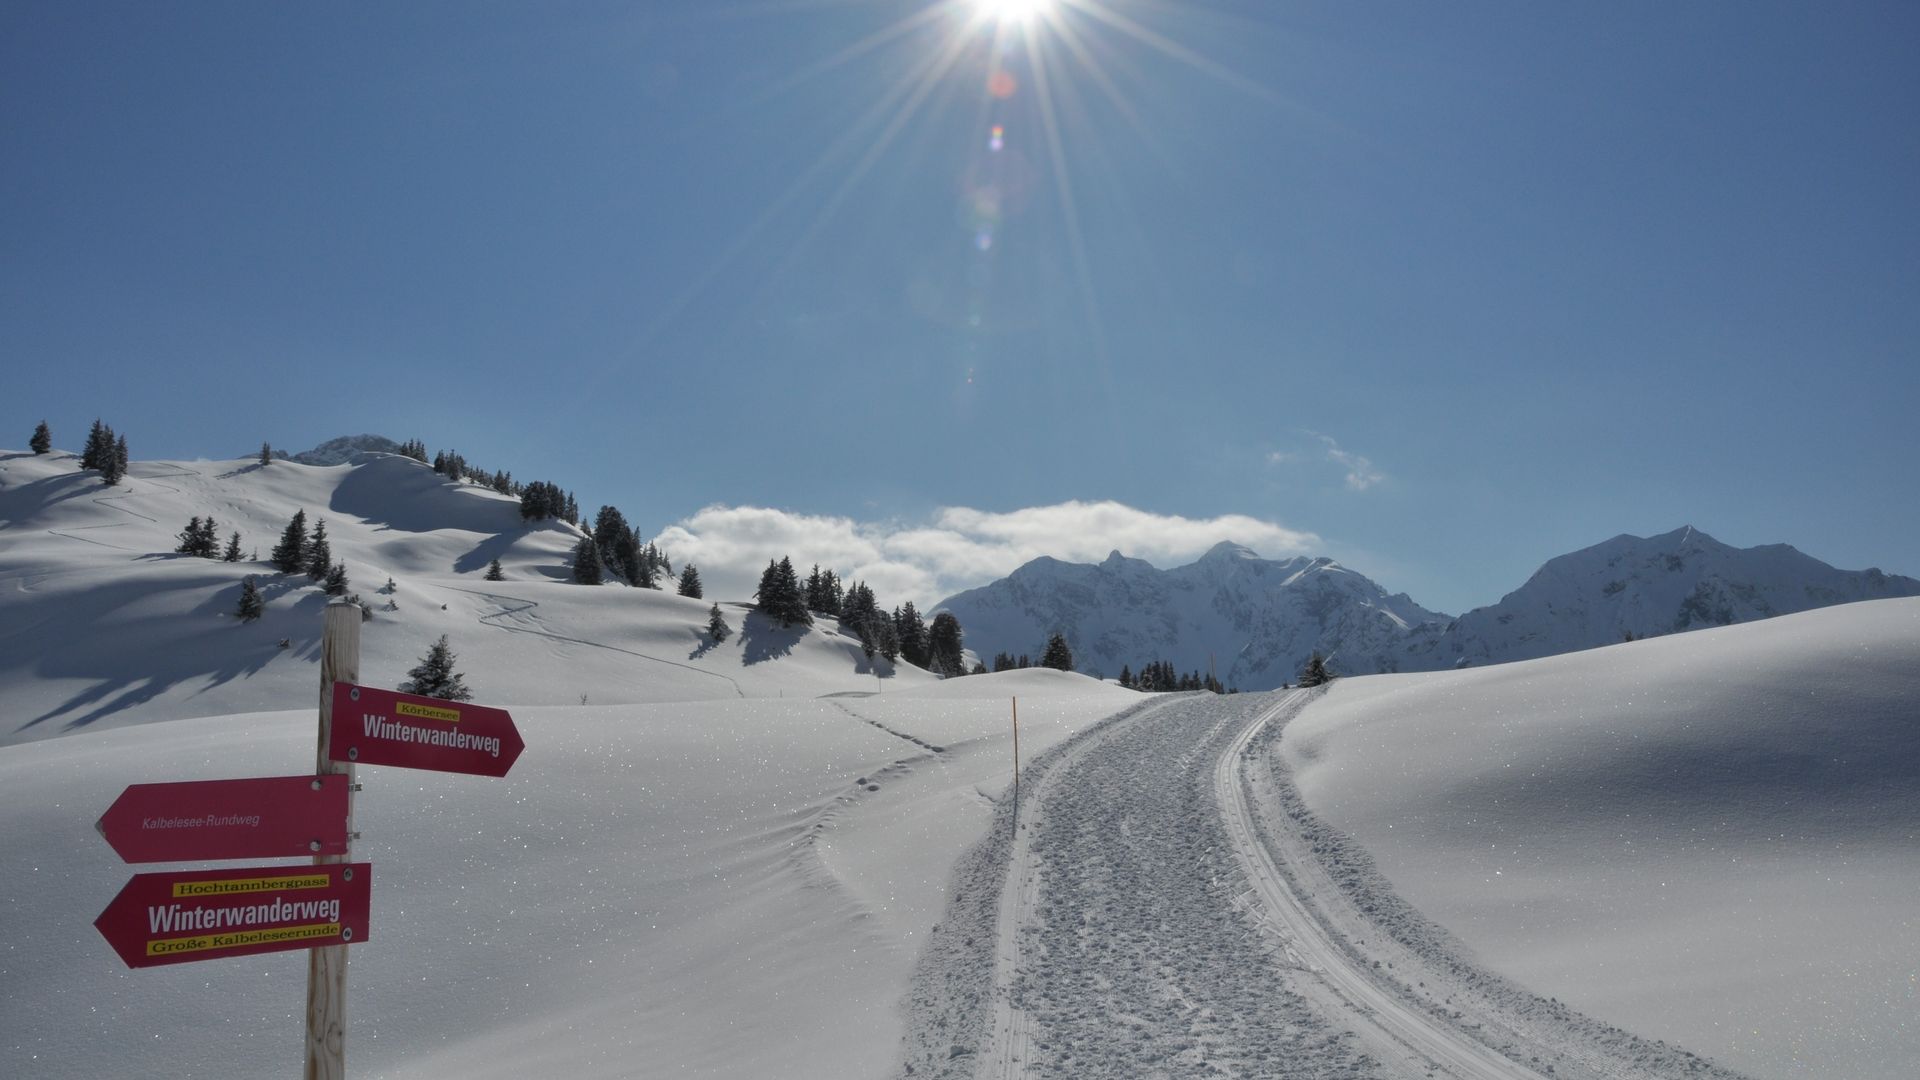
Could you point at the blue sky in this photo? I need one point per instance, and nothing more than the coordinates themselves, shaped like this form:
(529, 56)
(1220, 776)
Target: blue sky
(1439, 290)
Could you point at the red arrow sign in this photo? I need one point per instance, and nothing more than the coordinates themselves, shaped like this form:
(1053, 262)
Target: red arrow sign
(258, 818)
(181, 916)
(385, 727)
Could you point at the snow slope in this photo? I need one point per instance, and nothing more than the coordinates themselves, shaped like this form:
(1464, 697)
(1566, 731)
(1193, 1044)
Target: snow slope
(1707, 838)
(710, 889)
(102, 625)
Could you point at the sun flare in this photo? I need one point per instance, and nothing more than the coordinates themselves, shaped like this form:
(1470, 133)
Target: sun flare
(1013, 11)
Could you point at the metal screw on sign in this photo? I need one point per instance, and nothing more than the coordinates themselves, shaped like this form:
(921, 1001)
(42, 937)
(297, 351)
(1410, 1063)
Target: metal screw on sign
(346, 933)
(354, 694)
(313, 845)
(347, 874)
(353, 753)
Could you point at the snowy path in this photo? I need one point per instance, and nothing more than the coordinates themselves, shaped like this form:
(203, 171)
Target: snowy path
(1162, 910)
(1277, 905)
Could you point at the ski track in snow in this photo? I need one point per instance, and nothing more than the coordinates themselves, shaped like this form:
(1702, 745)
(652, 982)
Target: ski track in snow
(529, 605)
(1143, 915)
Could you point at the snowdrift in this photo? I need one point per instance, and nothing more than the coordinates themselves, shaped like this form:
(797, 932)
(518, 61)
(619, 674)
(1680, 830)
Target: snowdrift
(1707, 838)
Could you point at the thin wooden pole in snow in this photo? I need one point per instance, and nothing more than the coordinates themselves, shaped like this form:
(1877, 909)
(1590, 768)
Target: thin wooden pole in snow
(327, 966)
(1016, 762)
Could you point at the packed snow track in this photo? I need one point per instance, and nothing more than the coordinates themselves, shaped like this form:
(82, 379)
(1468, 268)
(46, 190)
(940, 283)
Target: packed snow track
(1157, 910)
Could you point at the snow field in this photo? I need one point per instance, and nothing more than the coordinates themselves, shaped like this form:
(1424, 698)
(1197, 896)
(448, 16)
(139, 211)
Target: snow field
(1706, 838)
(699, 889)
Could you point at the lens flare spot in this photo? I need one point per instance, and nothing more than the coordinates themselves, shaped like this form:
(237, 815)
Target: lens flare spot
(1001, 84)
(998, 140)
(983, 240)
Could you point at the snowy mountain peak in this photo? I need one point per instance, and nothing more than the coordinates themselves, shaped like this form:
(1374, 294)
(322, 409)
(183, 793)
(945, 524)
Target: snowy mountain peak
(1635, 587)
(343, 450)
(1268, 616)
(1226, 549)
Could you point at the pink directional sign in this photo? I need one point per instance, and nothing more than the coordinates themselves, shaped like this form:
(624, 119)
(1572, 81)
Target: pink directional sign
(386, 727)
(178, 916)
(258, 818)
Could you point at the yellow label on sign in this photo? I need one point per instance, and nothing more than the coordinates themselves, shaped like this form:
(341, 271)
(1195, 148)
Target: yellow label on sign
(408, 708)
(250, 885)
(241, 938)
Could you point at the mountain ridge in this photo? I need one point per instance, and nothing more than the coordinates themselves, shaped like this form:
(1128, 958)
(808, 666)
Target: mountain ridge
(1271, 615)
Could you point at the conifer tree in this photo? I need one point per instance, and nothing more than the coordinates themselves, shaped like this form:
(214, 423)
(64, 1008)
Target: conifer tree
(42, 440)
(251, 603)
(717, 627)
(434, 676)
(232, 554)
(1057, 655)
(1126, 677)
(690, 583)
(912, 634)
(494, 573)
(1315, 673)
(98, 444)
(944, 646)
(266, 453)
(779, 595)
(189, 538)
(336, 583)
(586, 562)
(319, 552)
(113, 465)
(290, 554)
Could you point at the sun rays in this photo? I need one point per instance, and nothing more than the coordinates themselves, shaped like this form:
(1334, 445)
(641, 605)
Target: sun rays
(1011, 83)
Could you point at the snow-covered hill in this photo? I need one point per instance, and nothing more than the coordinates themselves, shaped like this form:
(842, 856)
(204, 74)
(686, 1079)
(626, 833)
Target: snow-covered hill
(1259, 620)
(1644, 587)
(1706, 837)
(101, 624)
(1255, 621)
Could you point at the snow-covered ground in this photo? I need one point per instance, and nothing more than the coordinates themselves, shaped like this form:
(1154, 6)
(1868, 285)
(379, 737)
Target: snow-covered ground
(1708, 838)
(772, 857)
(713, 889)
(102, 625)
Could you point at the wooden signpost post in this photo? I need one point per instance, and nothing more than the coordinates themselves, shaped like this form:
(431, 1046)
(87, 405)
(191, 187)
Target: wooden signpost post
(176, 917)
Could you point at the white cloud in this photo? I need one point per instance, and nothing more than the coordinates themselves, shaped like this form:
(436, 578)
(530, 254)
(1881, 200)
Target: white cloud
(959, 549)
(1361, 474)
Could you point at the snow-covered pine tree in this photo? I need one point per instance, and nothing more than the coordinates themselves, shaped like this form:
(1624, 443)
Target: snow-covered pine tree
(1057, 655)
(232, 554)
(717, 627)
(290, 554)
(1315, 673)
(251, 602)
(690, 583)
(586, 562)
(42, 440)
(494, 573)
(434, 676)
(336, 583)
(319, 552)
(266, 453)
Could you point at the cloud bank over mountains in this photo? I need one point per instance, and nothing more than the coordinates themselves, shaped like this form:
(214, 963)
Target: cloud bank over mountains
(958, 548)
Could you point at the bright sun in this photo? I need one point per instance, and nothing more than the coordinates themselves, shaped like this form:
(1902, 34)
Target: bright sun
(1010, 11)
